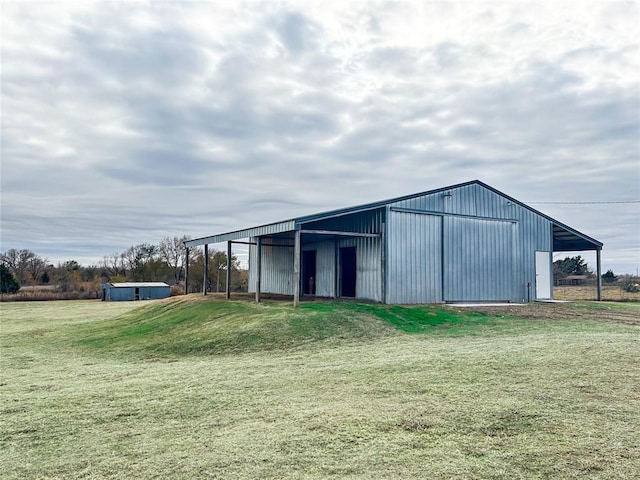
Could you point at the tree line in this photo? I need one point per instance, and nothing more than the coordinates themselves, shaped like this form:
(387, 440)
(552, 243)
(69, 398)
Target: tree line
(578, 271)
(162, 262)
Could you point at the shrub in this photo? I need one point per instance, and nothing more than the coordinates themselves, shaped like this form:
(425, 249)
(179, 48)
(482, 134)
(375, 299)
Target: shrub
(177, 290)
(630, 286)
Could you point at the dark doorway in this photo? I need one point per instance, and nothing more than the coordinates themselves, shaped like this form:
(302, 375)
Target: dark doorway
(348, 272)
(137, 294)
(309, 272)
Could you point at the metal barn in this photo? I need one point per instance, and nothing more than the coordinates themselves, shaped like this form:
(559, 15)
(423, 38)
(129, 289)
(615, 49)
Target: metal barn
(462, 243)
(116, 292)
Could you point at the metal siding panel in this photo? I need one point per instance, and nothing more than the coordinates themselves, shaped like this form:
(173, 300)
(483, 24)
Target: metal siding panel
(414, 258)
(122, 294)
(277, 270)
(364, 222)
(368, 278)
(434, 202)
(276, 267)
(532, 233)
(260, 231)
(368, 271)
(536, 236)
(407, 279)
(325, 269)
(479, 259)
(368, 250)
(148, 293)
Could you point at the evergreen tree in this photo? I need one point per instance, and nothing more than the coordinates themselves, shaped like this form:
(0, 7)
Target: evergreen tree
(8, 283)
(609, 277)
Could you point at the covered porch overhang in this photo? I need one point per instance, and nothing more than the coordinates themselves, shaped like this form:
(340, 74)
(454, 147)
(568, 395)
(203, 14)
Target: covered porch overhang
(287, 234)
(567, 239)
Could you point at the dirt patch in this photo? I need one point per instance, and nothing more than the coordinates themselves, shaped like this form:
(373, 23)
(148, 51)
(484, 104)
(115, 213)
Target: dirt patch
(601, 312)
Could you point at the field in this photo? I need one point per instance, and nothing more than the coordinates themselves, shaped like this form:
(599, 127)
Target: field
(202, 388)
(588, 292)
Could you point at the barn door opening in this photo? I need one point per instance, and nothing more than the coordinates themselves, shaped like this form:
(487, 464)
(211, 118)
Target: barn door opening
(478, 260)
(309, 272)
(348, 272)
(137, 294)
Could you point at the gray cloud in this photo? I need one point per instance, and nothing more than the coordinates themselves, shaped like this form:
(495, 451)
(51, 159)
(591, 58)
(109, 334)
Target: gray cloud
(125, 123)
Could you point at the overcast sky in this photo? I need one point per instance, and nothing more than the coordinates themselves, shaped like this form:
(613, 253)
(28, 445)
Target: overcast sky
(123, 123)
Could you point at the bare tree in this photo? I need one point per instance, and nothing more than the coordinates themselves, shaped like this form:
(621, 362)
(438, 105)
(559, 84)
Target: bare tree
(138, 258)
(18, 263)
(36, 266)
(172, 251)
(114, 265)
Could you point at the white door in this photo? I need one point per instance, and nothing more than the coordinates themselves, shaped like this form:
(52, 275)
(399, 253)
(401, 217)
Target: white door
(543, 275)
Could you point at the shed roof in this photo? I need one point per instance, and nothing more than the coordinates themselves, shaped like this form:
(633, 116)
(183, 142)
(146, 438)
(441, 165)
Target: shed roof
(138, 284)
(565, 238)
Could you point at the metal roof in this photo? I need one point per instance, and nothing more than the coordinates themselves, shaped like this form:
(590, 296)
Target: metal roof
(565, 238)
(271, 228)
(138, 284)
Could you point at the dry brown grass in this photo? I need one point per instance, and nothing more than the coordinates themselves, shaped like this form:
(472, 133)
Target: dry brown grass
(588, 292)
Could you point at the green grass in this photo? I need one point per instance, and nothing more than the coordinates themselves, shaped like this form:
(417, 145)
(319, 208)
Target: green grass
(182, 328)
(209, 389)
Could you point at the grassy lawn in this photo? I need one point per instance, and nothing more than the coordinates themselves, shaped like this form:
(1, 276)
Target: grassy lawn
(212, 389)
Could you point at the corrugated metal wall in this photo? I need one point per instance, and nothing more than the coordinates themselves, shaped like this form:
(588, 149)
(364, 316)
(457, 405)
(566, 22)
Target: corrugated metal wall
(277, 262)
(478, 259)
(472, 240)
(148, 293)
(325, 268)
(482, 257)
(368, 266)
(414, 258)
(277, 269)
(368, 250)
(117, 294)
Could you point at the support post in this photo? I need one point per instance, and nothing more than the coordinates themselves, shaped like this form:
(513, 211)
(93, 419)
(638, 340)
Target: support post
(336, 269)
(228, 291)
(186, 271)
(383, 263)
(599, 273)
(206, 269)
(296, 269)
(258, 267)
